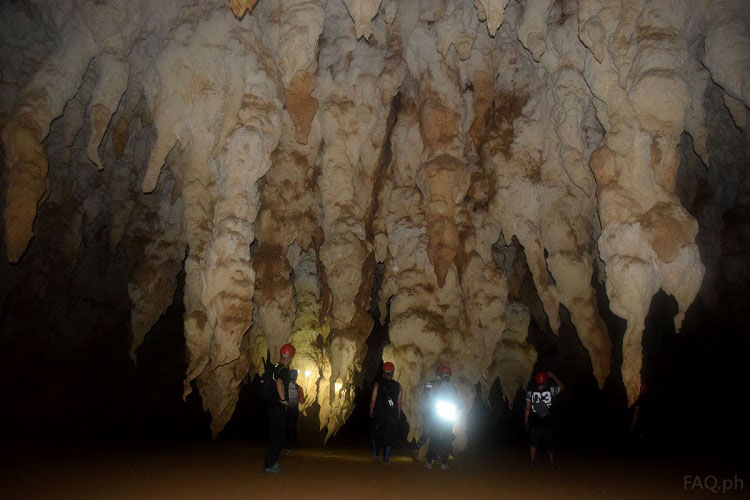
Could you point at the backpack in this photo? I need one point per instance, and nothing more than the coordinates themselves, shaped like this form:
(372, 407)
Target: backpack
(387, 409)
(292, 394)
(540, 407)
(267, 386)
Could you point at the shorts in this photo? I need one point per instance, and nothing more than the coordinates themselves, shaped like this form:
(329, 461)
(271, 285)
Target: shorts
(384, 431)
(539, 431)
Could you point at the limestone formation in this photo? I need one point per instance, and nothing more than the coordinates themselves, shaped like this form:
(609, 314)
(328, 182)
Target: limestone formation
(280, 152)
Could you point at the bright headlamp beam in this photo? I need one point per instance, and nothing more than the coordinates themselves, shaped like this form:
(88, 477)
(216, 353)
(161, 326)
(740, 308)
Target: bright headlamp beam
(446, 410)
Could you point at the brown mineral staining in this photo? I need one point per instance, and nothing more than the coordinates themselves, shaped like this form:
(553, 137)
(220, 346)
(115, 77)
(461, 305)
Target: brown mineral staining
(562, 138)
(439, 125)
(665, 233)
(239, 7)
(507, 107)
(301, 105)
(120, 135)
(482, 96)
(602, 164)
(26, 171)
(443, 181)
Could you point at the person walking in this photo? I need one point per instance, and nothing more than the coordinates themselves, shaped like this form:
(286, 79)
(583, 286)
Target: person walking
(538, 415)
(277, 408)
(385, 411)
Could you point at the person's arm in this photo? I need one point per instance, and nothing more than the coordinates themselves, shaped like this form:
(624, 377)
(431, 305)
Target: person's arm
(280, 390)
(526, 413)
(373, 399)
(301, 394)
(557, 381)
(399, 400)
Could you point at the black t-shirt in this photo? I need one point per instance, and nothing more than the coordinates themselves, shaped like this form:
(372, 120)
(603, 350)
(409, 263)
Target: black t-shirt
(541, 396)
(282, 372)
(386, 404)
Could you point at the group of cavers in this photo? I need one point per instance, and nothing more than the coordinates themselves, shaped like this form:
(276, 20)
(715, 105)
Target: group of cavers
(439, 407)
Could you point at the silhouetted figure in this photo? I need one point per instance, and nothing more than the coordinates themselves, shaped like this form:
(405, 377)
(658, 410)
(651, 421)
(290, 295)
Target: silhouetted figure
(440, 411)
(295, 397)
(538, 415)
(277, 408)
(385, 411)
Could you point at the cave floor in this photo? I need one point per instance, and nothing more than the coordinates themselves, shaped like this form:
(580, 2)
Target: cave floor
(234, 470)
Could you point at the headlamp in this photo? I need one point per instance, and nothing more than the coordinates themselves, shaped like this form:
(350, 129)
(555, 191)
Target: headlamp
(446, 410)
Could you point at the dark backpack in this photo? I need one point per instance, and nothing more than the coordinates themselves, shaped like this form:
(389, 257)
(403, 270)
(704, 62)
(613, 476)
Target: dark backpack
(267, 385)
(540, 407)
(387, 407)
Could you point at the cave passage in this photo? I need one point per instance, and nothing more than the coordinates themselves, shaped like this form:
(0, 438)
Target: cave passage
(503, 187)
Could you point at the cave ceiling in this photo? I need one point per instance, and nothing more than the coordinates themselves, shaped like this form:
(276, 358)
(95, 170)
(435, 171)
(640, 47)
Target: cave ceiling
(288, 155)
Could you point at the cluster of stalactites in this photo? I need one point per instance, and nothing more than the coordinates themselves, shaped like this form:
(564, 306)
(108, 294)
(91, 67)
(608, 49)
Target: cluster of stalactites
(552, 123)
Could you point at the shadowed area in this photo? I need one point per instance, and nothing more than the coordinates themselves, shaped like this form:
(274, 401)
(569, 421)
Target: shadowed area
(233, 470)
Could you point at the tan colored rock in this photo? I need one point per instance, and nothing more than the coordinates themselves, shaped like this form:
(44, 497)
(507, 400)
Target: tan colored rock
(647, 241)
(156, 249)
(443, 182)
(301, 105)
(362, 12)
(727, 47)
(240, 7)
(513, 358)
(414, 138)
(492, 11)
(532, 32)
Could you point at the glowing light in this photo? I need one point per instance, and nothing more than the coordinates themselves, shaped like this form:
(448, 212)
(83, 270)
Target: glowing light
(337, 386)
(446, 410)
(307, 373)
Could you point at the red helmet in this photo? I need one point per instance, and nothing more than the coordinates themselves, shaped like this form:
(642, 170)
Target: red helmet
(443, 370)
(287, 350)
(388, 367)
(541, 378)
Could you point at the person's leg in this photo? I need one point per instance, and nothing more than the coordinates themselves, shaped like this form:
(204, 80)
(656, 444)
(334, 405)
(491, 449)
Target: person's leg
(443, 441)
(549, 445)
(277, 420)
(288, 434)
(292, 429)
(375, 439)
(535, 436)
(390, 439)
(425, 433)
(432, 448)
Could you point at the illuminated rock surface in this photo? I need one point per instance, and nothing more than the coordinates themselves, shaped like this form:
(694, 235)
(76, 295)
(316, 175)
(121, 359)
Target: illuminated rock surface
(290, 156)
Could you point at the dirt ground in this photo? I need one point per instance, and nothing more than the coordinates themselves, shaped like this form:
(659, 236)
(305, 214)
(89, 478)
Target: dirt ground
(234, 470)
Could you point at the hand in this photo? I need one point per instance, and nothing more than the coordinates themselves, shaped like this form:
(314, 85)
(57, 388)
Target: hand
(372, 415)
(284, 402)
